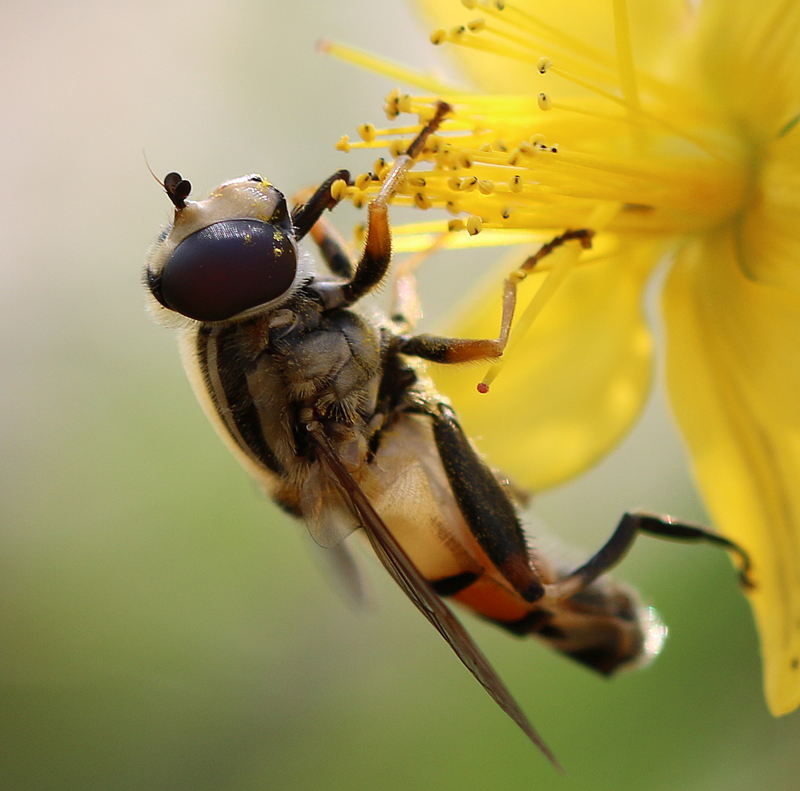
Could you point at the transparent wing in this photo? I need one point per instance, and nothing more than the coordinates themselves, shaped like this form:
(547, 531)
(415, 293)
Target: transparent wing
(341, 569)
(325, 510)
(417, 588)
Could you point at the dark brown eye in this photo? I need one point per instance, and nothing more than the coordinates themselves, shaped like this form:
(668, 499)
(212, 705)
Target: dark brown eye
(227, 268)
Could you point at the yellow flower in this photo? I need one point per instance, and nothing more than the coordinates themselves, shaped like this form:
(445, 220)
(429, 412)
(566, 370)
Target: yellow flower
(666, 130)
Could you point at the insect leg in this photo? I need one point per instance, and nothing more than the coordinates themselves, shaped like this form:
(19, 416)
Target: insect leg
(377, 254)
(439, 349)
(307, 219)
(485, 506)
(306, 214)
(621, 540)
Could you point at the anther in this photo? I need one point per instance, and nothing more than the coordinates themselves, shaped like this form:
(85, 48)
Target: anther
(470, 4)
(380, 167)
(474, 225)
(438, 37)
(543, 64)
(485, 186)
(452, 207)
(469, 184)
(397, 148)
(515, 185)
(367, 132)
(422, 201)
(338, 189)
(455, 225)
(343, 144)
(464, 159)
(362, 181)
(476, 25)
(544, 101)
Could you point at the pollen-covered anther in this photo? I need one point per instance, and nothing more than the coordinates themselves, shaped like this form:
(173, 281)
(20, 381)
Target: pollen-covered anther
(360, 199)
(469, 4)
(455, 225)
(526, 148)
(339, 189)
(543, 64)
(485, 147)
(543, 100)
(343, 144)
(474, 225)
(415, 181)
(513, 157)
(438, 37)
(453, 207)
(366, 132)
(537, 140)
(476, 25)
(457, 32)
(469, 184)
(515, 183)
(454, 183)
(362, 181)
(506, 213)
(554, 148)
(422, 201)
(485, 186)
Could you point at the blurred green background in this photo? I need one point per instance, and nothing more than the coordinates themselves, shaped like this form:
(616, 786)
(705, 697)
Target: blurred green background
(163, 626)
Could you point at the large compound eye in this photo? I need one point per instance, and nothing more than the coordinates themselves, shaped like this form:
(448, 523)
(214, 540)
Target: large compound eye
(227, 268)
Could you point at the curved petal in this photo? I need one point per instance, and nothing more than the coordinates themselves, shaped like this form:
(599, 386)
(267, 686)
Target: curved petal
(769, 236)
(751, 58)
(732, 362)
(573, 388)
(652, 23)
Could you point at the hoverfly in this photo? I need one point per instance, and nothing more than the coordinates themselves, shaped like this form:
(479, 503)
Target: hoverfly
(333, 415)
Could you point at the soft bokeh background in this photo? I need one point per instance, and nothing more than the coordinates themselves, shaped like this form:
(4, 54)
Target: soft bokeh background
(163, 626)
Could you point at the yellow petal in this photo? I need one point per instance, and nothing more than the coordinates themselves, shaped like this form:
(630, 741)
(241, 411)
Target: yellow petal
(751, 58)
(652, 23)
(578, 380)
(769, 236)
(733, 347)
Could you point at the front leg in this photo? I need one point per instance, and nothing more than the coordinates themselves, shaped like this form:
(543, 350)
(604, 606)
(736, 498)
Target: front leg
(377, 256)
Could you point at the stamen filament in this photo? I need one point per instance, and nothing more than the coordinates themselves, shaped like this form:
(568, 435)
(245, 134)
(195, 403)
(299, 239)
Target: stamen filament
(393, 71)
(627, 70)
(638, 111)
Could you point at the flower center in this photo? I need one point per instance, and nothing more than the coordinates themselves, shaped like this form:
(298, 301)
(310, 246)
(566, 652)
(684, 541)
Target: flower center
(601, 143)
